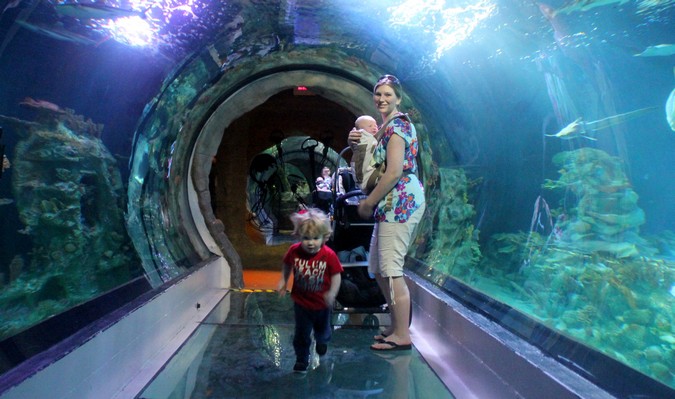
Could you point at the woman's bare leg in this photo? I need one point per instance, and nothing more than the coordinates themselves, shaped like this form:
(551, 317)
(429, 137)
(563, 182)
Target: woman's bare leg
(400, 314)
(383, 283)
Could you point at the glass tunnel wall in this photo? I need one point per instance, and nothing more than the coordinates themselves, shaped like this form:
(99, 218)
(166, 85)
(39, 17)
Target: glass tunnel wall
(546, 132)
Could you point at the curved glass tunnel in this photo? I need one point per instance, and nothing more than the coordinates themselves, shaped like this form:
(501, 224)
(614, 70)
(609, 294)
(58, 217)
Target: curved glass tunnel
(139, 144)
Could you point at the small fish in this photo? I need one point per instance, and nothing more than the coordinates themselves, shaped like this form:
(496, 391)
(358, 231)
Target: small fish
(659, 50)
(585, 5)
(579, 128)
(6, 201)
(96, 11)
(11, 4)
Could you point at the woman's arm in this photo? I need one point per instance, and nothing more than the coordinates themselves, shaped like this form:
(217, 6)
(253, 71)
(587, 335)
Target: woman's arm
(391, 176)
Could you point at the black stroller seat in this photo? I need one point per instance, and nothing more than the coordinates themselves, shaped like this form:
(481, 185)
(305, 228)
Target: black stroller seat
(359, 292)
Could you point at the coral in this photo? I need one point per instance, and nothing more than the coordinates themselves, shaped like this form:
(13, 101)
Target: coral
(593, 276)
(453, 248)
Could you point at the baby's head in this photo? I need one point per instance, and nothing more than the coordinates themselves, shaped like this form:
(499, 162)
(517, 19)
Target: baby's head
(366, 123)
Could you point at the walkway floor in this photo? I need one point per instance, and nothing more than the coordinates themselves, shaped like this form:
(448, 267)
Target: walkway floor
(243, 349)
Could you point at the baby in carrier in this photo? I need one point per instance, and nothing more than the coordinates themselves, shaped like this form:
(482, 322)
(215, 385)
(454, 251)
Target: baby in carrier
(363, 152)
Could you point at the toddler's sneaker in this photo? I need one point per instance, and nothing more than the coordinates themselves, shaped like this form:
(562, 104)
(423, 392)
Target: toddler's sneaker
(300, 367)
(321, 349)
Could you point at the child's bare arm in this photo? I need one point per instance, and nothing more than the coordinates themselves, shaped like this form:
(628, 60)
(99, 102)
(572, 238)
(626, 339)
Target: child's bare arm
(283, 283)
(330, 295)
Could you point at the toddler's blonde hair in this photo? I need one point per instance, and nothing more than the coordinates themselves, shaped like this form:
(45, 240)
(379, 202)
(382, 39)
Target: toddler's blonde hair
(311, 222)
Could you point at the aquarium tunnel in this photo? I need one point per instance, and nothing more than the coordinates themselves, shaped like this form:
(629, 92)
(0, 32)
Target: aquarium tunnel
(153, 151)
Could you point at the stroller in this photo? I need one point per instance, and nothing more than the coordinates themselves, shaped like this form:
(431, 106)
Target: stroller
(359, 300)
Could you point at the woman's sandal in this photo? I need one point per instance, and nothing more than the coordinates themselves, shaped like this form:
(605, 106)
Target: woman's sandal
(381, 338)
(392, 346)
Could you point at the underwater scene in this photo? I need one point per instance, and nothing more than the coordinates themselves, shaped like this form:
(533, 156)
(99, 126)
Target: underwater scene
(546, 129)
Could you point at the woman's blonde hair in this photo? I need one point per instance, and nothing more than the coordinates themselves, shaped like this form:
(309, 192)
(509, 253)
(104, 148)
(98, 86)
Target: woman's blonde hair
(311, 222)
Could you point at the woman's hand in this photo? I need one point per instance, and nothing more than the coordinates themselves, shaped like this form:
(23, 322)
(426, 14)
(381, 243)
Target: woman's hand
(354, 137)
(365, 210)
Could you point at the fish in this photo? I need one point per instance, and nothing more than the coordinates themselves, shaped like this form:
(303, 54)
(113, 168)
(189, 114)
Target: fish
(571, 131)
(659, 50)
(96, 11)
(585, 5)
(11, 4)
(579, 128)
(57, 32)
(30, 102)
(6, 201)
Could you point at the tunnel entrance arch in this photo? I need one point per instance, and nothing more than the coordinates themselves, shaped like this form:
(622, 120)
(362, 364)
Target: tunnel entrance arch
(281, 179)
(343, 91)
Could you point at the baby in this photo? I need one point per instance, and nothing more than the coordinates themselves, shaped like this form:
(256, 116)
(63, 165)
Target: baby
(363, 152)
(367, 123)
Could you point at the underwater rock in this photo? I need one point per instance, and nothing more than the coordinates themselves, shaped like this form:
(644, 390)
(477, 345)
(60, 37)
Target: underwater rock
(15, 267)
(594, 277)
(637, 316)
(653, 353)
(661, 371)
(669, 338)
(607, 209)
(70, 197)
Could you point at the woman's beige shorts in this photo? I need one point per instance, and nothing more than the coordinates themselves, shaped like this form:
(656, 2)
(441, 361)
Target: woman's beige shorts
(389, 245)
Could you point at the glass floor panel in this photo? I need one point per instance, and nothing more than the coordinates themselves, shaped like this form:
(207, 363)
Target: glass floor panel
(243, 349)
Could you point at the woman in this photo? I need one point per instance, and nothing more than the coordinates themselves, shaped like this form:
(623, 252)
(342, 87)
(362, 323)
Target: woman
(324, 182)
(397, 203)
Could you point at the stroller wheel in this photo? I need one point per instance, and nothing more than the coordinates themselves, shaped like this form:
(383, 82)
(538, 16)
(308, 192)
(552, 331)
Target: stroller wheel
(371, 321)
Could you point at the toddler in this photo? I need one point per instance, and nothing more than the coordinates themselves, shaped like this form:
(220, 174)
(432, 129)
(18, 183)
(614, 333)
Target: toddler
(316, 281)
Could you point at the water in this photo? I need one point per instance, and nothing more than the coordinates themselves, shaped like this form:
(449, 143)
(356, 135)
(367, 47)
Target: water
(576, 231)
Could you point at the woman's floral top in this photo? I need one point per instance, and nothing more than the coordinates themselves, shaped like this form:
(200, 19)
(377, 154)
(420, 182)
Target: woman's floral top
(408, 194)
